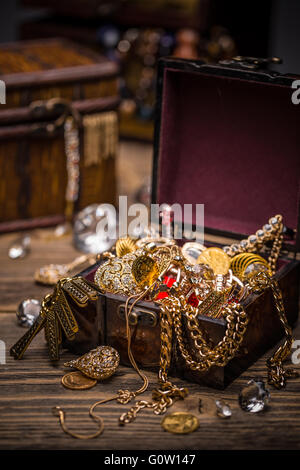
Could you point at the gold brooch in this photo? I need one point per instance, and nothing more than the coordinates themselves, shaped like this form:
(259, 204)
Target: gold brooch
(115, 275)
(134, 272)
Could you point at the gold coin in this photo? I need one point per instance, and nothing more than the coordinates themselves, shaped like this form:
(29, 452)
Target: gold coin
(77, 381)
(216, 259)
(180, 423)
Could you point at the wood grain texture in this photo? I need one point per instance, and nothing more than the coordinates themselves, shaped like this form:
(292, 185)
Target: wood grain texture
(30, 387)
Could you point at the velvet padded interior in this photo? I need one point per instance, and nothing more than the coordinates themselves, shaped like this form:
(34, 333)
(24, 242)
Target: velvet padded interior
(232, 145)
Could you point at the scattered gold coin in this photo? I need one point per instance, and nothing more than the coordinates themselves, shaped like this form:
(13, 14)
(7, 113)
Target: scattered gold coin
(216, 259)
(77, 381)
(180, 423)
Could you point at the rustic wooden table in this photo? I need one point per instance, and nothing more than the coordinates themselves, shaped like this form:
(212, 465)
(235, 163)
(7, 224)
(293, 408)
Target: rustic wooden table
(32, 386)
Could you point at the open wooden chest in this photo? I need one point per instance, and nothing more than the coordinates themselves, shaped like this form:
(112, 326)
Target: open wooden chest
(226, 137)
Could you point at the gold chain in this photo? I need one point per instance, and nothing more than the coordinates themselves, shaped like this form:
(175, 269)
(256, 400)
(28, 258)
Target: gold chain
(277, 375)
(270, 231)
(274, 255)
(226, 348)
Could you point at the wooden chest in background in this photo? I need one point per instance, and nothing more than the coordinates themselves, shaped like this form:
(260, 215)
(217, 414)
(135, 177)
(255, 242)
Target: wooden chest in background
(33, 174)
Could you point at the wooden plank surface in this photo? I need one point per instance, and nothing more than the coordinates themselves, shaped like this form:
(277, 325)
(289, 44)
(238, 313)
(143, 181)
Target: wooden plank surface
(30, 387)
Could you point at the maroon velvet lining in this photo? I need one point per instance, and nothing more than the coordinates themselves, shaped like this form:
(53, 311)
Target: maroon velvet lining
(91, 274)
(232, 145)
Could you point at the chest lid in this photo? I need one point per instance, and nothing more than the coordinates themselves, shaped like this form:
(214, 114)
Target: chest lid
(50, 61)
(229, 139)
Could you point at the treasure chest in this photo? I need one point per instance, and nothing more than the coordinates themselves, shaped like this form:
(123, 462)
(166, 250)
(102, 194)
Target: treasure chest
(58, 132)
(228, 157)
(226, 137)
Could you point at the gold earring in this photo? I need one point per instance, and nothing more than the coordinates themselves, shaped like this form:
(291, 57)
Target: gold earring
(100, 363)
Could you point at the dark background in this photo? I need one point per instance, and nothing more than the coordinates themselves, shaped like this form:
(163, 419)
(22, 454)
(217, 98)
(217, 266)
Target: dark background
(264, 27)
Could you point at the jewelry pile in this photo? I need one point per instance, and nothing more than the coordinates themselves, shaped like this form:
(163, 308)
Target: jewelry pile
(214, 284)
(187, 282)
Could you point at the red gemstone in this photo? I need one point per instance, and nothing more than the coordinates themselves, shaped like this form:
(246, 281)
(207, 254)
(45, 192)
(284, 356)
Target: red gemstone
(168, 281)
(193, 300)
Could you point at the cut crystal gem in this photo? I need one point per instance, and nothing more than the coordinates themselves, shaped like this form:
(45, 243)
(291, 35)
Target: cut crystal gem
(28, 311)
(223, 410)
(254, 397)
(267, 227)
(274, 221)
(260, 233)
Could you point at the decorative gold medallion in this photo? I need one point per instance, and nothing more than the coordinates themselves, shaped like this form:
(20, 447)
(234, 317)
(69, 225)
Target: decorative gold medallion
(99, 363)
(245, 265)
(145, 271)
(215, 258)
(124, 246)
(180, 423)
(77, 381)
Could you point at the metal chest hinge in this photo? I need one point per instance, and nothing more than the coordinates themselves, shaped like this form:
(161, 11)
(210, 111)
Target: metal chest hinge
(251, 63)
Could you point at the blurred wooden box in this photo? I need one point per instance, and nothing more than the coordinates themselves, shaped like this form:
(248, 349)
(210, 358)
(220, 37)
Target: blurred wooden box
(33, 161)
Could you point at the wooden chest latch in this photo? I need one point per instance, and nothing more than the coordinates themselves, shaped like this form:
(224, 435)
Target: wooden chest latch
(138, 315)
(58, 109)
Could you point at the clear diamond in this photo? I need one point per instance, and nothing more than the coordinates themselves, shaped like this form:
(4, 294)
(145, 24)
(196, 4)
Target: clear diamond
(226, 249)
(260, 233)
(267, 228)
(273, 221)
(20, 247)
(252, 239)
(254, 397)
(89, 229)
(28, 311)
(244, 243)
(223, 410)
